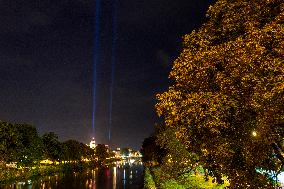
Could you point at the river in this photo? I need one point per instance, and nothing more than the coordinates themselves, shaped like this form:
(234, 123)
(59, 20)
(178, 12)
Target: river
(120, 177)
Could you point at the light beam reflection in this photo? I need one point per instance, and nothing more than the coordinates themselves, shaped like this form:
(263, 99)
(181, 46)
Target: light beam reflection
(114, 178)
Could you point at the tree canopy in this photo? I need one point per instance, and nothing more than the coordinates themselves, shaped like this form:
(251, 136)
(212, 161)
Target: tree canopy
(21, 144)
(74, 150)
(52, 146)
(152, 152)
(226, 103)
(102, 153)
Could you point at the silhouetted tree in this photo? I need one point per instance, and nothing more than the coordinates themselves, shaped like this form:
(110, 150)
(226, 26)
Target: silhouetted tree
(52, 146)
(10, 142)
(101, 152)
(153, 153)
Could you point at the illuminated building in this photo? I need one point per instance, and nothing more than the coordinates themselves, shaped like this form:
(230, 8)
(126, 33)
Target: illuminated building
(93, 143)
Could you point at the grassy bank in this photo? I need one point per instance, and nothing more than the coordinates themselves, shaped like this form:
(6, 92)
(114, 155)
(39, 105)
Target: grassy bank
(153, 179)
(12, 175)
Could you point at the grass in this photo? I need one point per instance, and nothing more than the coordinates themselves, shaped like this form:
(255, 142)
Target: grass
(153, 180)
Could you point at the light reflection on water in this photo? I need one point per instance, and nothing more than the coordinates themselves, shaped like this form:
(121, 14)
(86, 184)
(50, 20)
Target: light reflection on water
(114, 178)
(120, 177)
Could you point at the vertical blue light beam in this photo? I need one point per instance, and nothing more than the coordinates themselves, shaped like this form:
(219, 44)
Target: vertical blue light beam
(113, 61)
(96, 60)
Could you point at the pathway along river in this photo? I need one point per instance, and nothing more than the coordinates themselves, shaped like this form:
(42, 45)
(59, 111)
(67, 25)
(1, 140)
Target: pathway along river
(120, 177)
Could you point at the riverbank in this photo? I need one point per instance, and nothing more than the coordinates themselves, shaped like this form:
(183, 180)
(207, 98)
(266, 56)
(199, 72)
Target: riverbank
(12, 175)
(153, 180)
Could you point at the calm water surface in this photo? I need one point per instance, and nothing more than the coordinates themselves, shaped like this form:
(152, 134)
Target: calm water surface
(121, 177)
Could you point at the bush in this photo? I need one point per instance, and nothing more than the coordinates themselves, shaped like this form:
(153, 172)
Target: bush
(154, 178)
(199, 182)
(172, 184)
(148, 180)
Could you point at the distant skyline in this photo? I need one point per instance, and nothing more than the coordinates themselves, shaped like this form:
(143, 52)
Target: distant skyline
(46, 68)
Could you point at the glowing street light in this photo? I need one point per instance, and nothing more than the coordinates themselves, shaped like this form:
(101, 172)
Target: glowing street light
(254, 133)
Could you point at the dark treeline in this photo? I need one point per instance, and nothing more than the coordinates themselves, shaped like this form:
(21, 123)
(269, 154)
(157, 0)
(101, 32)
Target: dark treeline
(21, 144)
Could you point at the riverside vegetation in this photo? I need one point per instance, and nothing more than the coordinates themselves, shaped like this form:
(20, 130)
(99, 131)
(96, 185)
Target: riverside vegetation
(22, 152)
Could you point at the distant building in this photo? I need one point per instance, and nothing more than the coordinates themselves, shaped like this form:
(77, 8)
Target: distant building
(117, 153)
(136, 154)
(93, 143)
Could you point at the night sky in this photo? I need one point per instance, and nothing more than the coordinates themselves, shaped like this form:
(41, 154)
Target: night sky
(46, 64)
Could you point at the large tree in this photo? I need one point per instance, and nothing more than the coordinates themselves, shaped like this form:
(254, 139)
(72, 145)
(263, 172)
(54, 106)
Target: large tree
(20, 143)
(10, 143)
(32, 150)
(226, 103)
(52, 147)
(72, 150)
(75, 150)
(102, 153)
